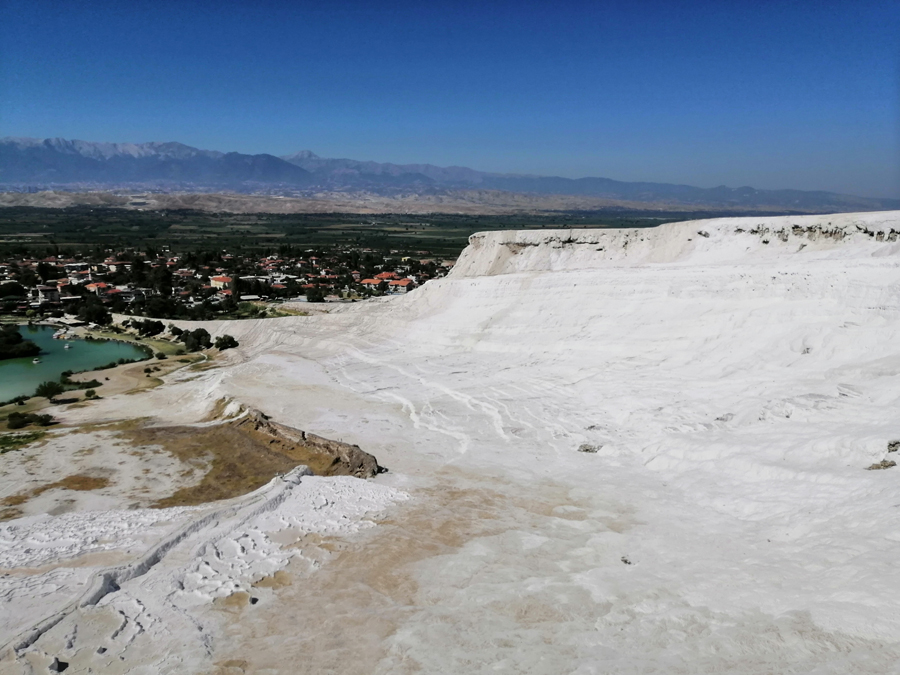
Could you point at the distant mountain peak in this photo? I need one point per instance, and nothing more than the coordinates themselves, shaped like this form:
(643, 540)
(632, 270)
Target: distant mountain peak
(302, 154)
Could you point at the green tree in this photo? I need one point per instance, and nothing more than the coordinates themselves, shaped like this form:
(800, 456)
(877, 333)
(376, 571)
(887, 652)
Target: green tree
(94, 312)
(315, 295)
(195, 340)
(49, 390)
(11, 289)
(46, 272)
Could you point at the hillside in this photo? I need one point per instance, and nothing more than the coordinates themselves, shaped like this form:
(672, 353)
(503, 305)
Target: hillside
(631, 451)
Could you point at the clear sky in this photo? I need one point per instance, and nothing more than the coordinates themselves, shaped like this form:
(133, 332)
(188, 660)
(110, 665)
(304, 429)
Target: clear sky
(769, 94)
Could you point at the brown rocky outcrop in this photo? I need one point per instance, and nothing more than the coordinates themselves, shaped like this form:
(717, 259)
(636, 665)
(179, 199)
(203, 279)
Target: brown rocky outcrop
(336, 458)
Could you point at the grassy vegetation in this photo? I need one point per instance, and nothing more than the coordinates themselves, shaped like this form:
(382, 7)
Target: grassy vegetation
(84, 228)
(237, 460)
(16, 441)
(166, 347)
(278, 310)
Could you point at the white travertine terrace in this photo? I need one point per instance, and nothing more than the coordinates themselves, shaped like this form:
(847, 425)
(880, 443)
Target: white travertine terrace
(629, 451)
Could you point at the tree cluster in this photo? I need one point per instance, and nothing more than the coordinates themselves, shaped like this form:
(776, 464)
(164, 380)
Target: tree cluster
(13, 345)
(195, 340)
(146, 327)
(93, 311)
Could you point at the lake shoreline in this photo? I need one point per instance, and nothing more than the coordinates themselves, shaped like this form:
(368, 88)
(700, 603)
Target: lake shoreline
(20, 376)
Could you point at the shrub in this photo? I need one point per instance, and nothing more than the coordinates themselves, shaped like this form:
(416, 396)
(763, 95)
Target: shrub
(224, 342)
(90, 393)
(42, 420)
(16, 420)
(161, 356)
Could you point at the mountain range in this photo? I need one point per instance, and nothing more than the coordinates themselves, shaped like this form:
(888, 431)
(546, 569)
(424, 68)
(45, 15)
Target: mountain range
(29, 163)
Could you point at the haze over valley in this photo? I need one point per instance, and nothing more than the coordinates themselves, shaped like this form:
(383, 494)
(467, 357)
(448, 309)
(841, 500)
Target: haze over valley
(28, 164)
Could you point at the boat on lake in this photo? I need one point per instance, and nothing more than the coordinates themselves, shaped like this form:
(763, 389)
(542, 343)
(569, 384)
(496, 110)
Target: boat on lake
(35, 360)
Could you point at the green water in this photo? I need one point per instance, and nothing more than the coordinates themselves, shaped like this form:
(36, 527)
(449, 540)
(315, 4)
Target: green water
(21, 376)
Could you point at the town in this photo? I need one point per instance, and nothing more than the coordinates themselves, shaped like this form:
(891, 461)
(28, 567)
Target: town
(88, 287)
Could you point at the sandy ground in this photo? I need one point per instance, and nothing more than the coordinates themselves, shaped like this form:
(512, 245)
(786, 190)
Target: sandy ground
(630, 452)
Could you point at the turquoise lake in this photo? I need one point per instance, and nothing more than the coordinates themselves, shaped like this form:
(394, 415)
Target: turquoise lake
(21, 376)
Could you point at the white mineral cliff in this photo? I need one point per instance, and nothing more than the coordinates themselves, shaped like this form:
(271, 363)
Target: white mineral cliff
(632, 451)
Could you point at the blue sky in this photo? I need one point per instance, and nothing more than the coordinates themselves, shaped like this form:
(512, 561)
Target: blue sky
(771, 94)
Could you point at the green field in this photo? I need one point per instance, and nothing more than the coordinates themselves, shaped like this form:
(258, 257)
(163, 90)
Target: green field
(82, 229)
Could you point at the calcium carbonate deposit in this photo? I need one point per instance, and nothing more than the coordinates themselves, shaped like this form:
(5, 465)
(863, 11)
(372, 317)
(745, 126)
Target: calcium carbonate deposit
(610, 451)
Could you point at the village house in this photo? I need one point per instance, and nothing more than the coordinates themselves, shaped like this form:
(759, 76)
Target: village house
(81, 277)
(222, 282)
(46, 295)
(400, 285)
(99, 288)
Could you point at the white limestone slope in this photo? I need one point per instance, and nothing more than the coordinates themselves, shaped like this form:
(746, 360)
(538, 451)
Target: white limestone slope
(735, 377)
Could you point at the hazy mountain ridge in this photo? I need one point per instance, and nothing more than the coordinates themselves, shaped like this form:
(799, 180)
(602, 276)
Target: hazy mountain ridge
(57, 162)
(60, 161)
